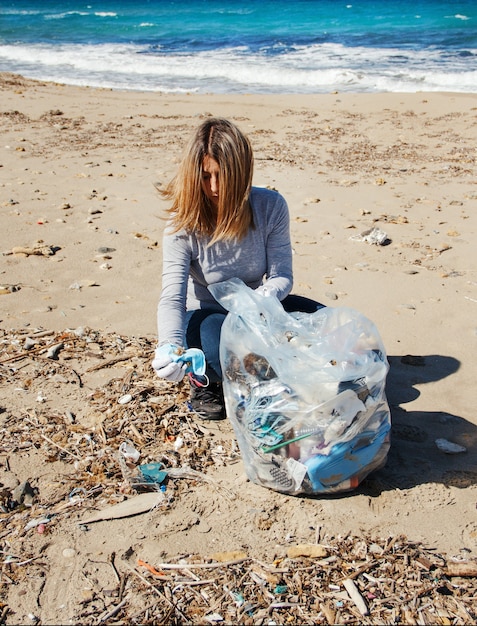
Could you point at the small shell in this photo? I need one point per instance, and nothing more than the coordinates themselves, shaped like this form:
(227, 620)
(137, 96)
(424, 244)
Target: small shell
(449, 447)
(125, 399)
(69, 553)
(52, 353)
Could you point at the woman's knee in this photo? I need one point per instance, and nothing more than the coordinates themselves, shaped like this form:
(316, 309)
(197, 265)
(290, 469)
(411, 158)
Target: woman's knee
(210, 328)
(301, 304)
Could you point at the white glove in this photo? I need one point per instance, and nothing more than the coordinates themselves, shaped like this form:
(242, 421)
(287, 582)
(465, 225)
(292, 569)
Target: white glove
(165, 367)
(266, 290)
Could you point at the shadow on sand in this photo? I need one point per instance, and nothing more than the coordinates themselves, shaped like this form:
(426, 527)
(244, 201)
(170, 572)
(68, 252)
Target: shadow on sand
(414, 457)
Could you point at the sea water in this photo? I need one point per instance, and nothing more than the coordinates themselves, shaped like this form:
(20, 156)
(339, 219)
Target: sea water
(247, 46)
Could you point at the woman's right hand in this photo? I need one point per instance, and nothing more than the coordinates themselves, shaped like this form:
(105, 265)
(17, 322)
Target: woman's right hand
(165, 367)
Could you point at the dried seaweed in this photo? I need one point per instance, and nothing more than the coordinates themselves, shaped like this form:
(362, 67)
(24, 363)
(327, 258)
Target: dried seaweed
(345, 580)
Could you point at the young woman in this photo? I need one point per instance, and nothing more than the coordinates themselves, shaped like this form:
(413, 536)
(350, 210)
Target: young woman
(219, 227)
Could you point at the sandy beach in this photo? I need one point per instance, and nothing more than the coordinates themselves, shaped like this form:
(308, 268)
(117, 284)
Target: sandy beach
(81, 265)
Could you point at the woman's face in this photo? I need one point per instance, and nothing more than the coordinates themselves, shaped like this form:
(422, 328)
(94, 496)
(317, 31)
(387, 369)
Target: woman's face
(210, 179)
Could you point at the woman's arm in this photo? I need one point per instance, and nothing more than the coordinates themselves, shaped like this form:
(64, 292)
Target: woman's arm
(279, 276)
(175, 274)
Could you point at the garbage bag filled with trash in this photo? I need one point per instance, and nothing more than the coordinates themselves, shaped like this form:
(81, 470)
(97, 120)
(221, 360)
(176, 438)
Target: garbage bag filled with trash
(305, 393)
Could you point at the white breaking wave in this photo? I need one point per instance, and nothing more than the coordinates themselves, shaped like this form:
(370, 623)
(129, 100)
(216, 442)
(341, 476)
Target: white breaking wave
(318, 68)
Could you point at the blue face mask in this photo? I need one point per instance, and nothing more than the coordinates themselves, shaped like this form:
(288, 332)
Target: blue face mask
(194, 358)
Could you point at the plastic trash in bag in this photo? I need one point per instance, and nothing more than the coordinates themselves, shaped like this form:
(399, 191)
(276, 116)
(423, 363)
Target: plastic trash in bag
(305, 392)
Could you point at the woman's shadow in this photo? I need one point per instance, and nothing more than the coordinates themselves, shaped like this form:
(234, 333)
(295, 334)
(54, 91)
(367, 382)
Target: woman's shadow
(414, 457)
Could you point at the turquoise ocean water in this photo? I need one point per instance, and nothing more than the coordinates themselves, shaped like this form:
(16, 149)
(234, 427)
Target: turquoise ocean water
(248, 46)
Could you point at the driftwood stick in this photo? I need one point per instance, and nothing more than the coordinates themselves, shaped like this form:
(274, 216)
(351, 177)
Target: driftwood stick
(112, 361)
(75, 456)
(113, 611)
(355, 595)
(461, 568)
(199, 565)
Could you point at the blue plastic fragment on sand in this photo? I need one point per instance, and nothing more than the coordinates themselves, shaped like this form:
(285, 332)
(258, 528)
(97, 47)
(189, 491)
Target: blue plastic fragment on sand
(152, 472)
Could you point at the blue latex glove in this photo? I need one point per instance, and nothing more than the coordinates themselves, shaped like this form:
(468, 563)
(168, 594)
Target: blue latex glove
(173, 363)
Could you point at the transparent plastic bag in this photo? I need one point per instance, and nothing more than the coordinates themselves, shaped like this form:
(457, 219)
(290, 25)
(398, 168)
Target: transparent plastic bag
(305, 393)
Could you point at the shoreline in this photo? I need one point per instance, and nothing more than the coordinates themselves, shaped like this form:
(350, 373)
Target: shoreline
(15, 78)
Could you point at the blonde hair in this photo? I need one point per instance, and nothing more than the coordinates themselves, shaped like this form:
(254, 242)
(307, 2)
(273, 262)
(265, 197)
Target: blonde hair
(191, 210)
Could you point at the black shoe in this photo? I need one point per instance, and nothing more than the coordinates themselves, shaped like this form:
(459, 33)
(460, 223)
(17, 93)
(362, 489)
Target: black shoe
(207, 401)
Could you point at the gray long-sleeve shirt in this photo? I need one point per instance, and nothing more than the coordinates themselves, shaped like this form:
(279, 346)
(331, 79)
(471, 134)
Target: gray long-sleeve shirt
(190, 265)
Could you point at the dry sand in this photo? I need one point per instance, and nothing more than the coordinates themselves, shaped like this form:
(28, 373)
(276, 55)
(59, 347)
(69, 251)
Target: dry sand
(77, 174)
